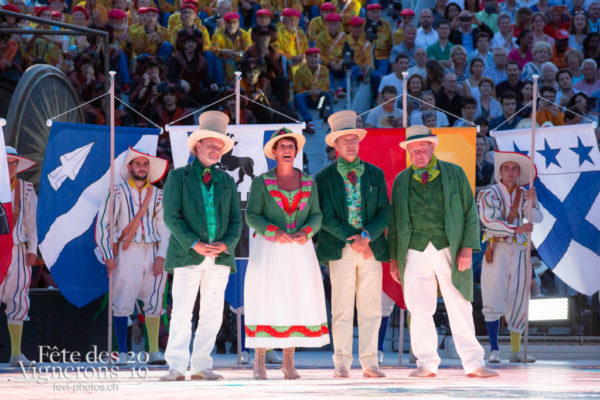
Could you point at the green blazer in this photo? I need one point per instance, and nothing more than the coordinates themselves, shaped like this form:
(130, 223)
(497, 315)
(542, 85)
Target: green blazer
(264, 215)
(460, 217)
(375, 212)
(185, 216)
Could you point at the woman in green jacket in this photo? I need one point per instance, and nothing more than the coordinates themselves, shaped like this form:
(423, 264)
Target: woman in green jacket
(284, 300)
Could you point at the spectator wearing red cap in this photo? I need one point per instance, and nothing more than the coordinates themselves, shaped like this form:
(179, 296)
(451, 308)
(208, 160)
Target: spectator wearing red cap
(407, 17)
(46, 48)
(150, 37)
(277, 6)
(264, 17)
(61, 7)
(363, 55)
(229, 43)
(311, 82)
(291, 41)
(559, 20)
(11, 22)
(379, 32)
(187, 20)
(317, 24)
(561, 45)
(331, 42)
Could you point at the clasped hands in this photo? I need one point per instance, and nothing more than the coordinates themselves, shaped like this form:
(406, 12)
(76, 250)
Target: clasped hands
(210, 249)
(361, 245)
(299, 237)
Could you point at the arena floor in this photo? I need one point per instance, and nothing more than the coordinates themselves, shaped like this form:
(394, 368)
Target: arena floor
(546, 379)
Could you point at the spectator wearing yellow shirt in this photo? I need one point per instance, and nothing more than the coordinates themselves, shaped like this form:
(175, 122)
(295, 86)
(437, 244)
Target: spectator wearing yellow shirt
(150, 37)
(187, 20)
(291, 41)
(331, 43)
(407, 17)
(120, 46)
(277, 6)
(229, 43)
(379, 32)
(363, 55)
(317, 24)
(311, 85)
(349, 9)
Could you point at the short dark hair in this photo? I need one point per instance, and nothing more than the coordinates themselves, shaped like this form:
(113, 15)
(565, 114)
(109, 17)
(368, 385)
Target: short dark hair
(512, 62)
(402, 55)
(389, 89)
(548, 89)
(468, 101)
(442, 22)
(481, 35)
(508, 95)
(481, 121)
(563, 71)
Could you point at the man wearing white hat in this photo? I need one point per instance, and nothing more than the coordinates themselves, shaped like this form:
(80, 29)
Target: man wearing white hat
(137, 255)
(504, 287)
(356, 211)
(432, 234)
(202, 210)
(15, 287)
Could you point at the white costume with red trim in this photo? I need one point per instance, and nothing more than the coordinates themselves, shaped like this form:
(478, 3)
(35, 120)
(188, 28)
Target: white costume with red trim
(134, 278)
(503, 281)
(15, 287)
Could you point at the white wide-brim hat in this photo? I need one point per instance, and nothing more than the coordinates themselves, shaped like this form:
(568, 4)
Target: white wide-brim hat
(158, 166)
(524, 162)
(282, 134)
(343, 123)
(419, 133)
(24, 163)
(211, 124)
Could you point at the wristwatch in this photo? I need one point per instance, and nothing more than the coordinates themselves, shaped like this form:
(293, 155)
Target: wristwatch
(365, 235)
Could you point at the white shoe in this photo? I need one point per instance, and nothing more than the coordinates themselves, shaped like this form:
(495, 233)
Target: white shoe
(271, 357)
(172, 376)
(380, 356)
(122, 360)
(244, 357)
(518, 357)
(494, 357)
(20, 360)
(156, 358)
(206, 374)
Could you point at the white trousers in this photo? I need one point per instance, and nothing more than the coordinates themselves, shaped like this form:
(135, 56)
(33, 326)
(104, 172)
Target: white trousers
(423, 271)
(504, 286)
(134, 279)
(14, 290)
(211, 279)
(354, 277)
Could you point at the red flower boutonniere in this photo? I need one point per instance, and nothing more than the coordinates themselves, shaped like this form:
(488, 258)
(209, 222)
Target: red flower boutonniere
(352, 177)
(206, 177)
(425, 178)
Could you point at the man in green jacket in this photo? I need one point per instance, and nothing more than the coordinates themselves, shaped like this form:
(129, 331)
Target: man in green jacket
(356, 211)
(202, 209)
(432, 234)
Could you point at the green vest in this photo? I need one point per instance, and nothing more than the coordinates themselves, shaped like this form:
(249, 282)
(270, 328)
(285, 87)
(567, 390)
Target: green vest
(426, 209)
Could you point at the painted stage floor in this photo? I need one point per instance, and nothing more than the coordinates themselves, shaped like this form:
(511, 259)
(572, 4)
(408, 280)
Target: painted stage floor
(546, 379)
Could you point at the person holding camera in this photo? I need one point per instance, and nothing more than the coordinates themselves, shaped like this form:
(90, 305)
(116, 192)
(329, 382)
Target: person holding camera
(388, 115)
(334, 55)
(311, 85)
(379, 32)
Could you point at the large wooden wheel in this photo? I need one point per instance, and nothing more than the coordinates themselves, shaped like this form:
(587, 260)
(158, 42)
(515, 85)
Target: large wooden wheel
(43, 92)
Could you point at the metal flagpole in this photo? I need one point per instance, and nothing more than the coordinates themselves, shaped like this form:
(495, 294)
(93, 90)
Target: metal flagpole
(111, 205)
(405, 99)
(404, 125)
(238, 78)
(529, 211)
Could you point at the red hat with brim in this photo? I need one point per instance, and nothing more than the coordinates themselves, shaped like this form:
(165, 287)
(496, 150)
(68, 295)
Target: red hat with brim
(313, 50)
(291, 12)
(190, 5)
(374, 6)
(11, 7)
(333, 17)
(56, 14)
(81, 9)
(230, 16)
(407, 12)
(40, 10)
(116, 13)
(356, 21)
(264, 11)
(144, 10)
(561, 34)
(327, 7)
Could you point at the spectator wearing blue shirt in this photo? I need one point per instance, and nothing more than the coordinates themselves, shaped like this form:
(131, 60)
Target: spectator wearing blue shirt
(466, 34)
(509, 107)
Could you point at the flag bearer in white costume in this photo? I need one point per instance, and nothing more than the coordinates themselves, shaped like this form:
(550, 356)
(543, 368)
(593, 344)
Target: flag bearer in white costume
(504, 287)
(15, 287)
(137, 257)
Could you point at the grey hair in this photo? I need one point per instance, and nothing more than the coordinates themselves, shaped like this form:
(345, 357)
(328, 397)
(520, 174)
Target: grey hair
(590, 60)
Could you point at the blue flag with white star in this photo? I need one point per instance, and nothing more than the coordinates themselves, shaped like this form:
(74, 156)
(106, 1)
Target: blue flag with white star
(568, 188)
